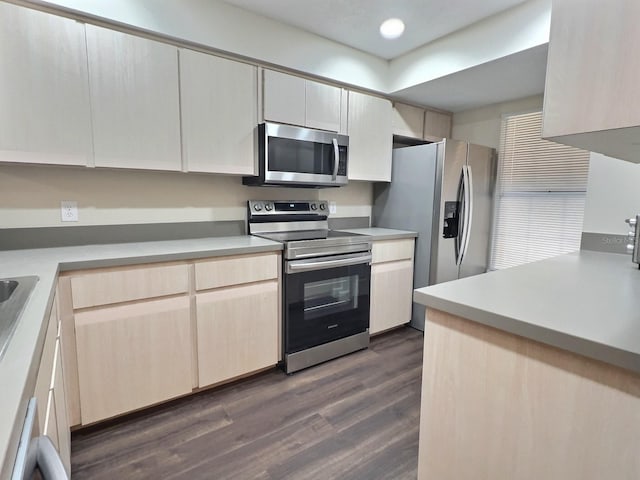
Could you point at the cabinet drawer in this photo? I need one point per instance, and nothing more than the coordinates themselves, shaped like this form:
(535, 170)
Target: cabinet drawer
(133, 356)
(225, 271)
(391, 250)
(123, 285)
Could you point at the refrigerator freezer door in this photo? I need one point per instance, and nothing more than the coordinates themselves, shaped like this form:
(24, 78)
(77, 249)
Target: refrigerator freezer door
(443, 251)
(407, 203)
(482, 165)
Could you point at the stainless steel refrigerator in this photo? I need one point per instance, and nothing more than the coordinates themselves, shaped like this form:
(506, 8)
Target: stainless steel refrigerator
(443, 191)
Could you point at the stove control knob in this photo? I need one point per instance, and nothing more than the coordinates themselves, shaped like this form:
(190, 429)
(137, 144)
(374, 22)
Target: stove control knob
(323, 206)
(268, 207)
(257, 207)
(314, 206)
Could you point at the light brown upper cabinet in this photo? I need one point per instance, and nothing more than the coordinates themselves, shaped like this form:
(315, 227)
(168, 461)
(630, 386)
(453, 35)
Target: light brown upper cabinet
(437, 125)
(134, 101)
(370, 138)
(298, 101)
(219, 106)
(592, 99)
(408, 121)
(424, 124)
(44, 114)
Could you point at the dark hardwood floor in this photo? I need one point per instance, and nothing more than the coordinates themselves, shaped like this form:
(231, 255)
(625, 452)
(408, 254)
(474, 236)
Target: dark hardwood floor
(355, 417)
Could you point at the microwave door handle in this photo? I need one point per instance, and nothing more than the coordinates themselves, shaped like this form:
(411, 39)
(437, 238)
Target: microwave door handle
(336, 158)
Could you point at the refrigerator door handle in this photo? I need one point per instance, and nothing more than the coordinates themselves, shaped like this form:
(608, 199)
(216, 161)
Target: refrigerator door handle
(462, 185)
(466, 212)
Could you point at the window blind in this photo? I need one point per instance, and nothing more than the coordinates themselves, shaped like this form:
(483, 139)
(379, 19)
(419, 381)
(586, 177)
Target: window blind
(540, 195)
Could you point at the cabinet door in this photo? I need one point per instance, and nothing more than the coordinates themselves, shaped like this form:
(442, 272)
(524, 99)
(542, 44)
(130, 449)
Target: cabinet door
(370, 138)
(44, 89)
(44, 379)
(219, 106)
(134, 101)
(408, 120)
(132, 356)
(283, 98)
(61, 419)
(50, 428)
(238, 331)
(391, 295)
(592, 70)
(437, 125)
(322, 106)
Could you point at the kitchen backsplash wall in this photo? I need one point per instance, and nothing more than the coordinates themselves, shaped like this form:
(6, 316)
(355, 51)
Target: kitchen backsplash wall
(30, 196)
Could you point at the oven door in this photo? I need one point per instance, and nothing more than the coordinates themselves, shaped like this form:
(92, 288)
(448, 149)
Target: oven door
(325, 299)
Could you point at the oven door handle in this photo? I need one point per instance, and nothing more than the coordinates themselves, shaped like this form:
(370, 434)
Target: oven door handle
(306, 266)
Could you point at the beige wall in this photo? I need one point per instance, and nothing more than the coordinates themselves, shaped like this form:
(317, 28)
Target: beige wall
(613, 194)
(30, 196)
(482, 125)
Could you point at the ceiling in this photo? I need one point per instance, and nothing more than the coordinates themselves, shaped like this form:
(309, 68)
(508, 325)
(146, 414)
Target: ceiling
(355, 22)
(515, 76)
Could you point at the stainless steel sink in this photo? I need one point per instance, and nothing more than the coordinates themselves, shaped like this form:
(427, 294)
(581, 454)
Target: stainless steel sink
(14, 294)
(7, 287)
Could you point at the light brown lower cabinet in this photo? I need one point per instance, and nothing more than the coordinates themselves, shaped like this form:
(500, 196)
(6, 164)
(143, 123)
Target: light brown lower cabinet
(391, 295)
(238, 329)
(500, 406)
(132, 356)
(61, 417)
(200, 323)
(50, 391)
(391, 284)
(50, 428)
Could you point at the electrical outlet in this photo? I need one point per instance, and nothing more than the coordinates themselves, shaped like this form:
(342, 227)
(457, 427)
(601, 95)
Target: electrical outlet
(69, 211)
(332, 208)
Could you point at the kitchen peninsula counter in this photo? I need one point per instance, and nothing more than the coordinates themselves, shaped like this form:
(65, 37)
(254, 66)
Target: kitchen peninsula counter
(19, 364)
(533, 372)
(585, 302)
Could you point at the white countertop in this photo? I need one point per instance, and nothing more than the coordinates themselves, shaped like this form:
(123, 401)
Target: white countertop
(584, 302)
(19, 365)
(378, 233)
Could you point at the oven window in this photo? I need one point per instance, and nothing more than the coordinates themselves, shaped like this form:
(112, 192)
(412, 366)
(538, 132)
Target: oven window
(328, 297)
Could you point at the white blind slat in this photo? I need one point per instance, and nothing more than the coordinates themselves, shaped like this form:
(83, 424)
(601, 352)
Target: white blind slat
(540, 195)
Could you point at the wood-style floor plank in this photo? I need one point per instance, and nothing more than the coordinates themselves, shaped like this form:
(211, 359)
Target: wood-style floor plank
(352, 418)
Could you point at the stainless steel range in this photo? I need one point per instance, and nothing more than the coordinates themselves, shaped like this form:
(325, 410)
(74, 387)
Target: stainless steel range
(326, 280)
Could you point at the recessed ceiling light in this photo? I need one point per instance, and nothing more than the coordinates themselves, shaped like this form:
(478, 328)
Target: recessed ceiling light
(392, 28)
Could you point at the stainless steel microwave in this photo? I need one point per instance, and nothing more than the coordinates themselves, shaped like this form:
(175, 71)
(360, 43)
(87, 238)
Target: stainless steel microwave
(300, 157)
